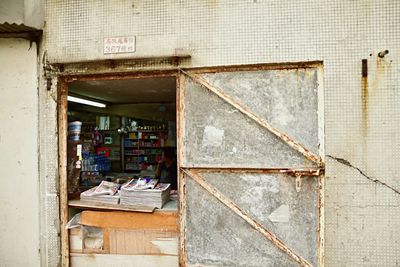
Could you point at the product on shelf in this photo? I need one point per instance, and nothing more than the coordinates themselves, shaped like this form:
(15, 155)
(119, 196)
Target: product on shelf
(143, 147)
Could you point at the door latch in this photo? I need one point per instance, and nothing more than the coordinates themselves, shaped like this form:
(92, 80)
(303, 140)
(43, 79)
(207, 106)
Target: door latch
(298, 182)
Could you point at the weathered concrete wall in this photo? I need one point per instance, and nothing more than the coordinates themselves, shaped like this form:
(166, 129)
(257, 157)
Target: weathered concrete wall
(217, 134)
(19, 179)
(216, 236)
(362, 133)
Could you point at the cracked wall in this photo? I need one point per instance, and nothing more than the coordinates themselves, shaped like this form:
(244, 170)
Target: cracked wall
(362, 116)
(366, 176)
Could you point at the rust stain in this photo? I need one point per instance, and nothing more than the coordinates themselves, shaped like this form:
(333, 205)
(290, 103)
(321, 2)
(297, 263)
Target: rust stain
(299, 171)
(382, 67)
(255, 67)
(369, 88)
(181, 90)
(94, 70)
(364, 105)
(364, 96)
(321, 221)
(120, 75)
(182, 218)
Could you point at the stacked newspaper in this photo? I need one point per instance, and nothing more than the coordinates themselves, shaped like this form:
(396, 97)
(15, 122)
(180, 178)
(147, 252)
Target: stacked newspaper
(145, 192)
(106, 192)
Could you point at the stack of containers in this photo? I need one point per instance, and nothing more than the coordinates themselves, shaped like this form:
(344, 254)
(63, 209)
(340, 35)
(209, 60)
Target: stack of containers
(74, 130)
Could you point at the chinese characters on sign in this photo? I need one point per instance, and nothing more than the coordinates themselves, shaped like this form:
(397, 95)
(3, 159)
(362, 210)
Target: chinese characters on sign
(117, 45)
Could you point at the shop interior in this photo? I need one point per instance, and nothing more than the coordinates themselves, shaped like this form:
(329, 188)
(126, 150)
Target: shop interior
(121, 131)
(122, 171)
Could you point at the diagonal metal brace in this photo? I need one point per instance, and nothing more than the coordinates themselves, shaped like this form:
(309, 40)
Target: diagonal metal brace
(245, 216)
(262, 122)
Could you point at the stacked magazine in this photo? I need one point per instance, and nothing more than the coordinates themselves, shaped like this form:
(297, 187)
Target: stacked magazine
(106, 192)
(145, 192)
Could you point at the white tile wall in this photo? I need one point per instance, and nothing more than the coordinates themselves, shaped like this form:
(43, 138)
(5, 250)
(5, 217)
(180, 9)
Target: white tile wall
(362, 216)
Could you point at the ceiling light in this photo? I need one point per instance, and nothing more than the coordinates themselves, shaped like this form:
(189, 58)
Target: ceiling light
(86, 102)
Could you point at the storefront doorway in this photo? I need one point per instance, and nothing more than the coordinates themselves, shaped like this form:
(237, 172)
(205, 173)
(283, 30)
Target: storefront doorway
(119, 134)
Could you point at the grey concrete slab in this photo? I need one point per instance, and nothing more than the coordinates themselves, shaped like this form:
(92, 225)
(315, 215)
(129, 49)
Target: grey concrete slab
(272, 200)
(218, 237)
(216, 134)
(286, 98)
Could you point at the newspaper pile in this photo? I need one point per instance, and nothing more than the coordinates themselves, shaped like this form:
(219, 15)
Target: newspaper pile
(145, 192)
(106, 192)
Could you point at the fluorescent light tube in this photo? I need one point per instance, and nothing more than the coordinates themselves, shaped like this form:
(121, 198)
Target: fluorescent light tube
(86, 102)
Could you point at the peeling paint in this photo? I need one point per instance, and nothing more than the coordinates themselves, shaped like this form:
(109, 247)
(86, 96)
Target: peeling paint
(233, 151)
(212, 136)
(281, 214)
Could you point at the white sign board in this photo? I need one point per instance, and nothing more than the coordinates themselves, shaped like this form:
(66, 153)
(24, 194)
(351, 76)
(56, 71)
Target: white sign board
(118, 45)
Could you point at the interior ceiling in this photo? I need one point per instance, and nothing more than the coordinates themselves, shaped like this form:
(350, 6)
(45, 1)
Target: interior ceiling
(143, 90)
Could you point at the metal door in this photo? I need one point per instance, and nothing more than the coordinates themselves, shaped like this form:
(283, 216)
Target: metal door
(250, 146)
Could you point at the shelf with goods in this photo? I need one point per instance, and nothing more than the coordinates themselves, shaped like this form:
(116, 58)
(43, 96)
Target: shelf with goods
(97, 148)
(101, 143)
(143, 149)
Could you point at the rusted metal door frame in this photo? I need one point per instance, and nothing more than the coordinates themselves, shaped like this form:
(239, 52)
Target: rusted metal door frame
(194, 172)
(62, 117)
(62, 108)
